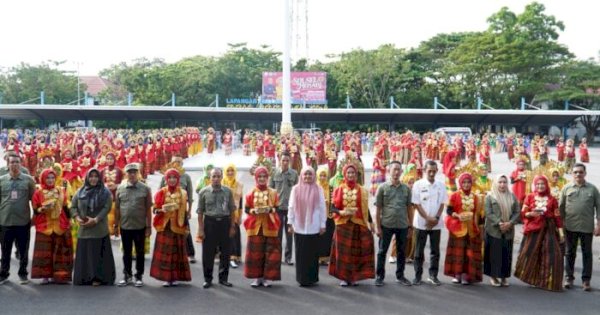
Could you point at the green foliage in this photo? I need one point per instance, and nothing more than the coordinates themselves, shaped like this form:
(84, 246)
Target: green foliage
(25, 82)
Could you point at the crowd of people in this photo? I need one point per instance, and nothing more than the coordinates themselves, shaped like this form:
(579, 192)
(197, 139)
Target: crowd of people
(88, 187)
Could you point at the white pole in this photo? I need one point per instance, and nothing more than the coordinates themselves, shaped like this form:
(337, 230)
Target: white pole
(286, 105)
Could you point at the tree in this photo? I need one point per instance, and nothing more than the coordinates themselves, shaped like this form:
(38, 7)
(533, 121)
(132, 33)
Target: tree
(515, 57)
(579, 85)
(25, 82)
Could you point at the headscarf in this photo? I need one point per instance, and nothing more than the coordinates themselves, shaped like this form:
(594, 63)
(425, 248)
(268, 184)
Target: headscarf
(350, 184)
(258, 171)
(306, 197)
(410, 172)
(336, 180)
(43, 177)
(545, 180)
(449, 164)
(96, 196)
(324, 184)
(463, 177)
(230, 182)
(110, 167)
(172, 172)
(504, 199)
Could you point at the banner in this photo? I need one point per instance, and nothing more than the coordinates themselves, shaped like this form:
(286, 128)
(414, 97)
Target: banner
(306, 87)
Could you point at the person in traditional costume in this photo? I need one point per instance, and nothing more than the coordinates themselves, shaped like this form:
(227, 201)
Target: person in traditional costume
(326, 238)
(112, 177)
(230, 180)
(30, 161)
(86, 161)
(228, 142)
(540, 261)
(263, 247)
(94, 262)
(569, 155)
(449, 169)
(584, 155)
(560, 150)
(501, 215)
(169, 260)
(519, 179)
(352, 252)
(211, 141)
(307, 216)
(205, 180)
(463, 252)
(53, 248)
(556, 182)
(378, 175)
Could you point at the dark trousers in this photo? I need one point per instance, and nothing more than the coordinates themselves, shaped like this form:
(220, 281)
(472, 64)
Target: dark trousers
(384, 244)
(189, 243)
(572, 239)
(434, 252)
(19, 235)
(216, 235)
(130, 238)
(289, 237)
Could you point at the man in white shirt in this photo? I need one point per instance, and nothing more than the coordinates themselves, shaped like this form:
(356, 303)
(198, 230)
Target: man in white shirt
(429, 197)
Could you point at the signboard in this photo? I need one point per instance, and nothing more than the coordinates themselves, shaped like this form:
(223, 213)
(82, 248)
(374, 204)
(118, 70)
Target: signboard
(306, 87)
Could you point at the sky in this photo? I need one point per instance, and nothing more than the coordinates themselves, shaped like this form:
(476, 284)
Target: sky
(93, 35)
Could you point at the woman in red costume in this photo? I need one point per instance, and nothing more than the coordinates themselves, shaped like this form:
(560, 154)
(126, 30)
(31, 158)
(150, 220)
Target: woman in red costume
(263, 247)
(170, 260)
(53, 249)
(463, 253)
(540, 261)
(352, 253)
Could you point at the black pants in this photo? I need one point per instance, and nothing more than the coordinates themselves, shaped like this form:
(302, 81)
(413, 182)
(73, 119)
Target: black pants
(189, 243)
(384, 245)
(236, 243)
(434, 252)
(216, 235)
(130, 238)
(289, 237)
(19, 235)
(585, 239)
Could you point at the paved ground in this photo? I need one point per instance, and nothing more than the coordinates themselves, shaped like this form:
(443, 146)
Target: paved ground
(286, 297)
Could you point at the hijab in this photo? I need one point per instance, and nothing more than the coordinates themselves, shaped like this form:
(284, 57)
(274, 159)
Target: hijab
(97, 195)
(259, 171)
(461, 178)
(306, 197)
(351, 183)
(44, 175)
(230, 182)
(172, 172)
(536, 179)
(504, 199)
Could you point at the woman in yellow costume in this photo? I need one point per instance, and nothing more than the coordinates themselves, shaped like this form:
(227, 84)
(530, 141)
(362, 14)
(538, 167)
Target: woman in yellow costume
(237, 188)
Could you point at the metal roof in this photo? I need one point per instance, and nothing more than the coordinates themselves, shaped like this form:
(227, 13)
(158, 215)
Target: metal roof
(389, 116)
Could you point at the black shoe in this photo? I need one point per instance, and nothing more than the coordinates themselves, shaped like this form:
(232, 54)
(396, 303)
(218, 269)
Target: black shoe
(434, 281)
(3, 280)
(225, 283)
(192, 259)
(404, 281)
(379, 282)
(417, 281)
(289, 262)
(207, 284)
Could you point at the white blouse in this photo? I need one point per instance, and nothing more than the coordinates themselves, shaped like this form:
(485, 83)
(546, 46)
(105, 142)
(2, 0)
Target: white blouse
(319, 215)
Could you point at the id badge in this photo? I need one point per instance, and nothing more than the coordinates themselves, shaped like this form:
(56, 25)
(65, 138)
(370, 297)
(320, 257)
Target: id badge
(14, 195)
